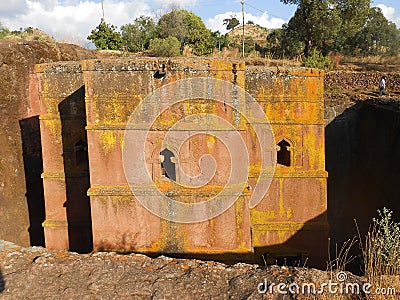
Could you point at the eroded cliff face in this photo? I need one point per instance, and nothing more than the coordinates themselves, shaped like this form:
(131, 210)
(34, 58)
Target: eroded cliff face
(20, 187)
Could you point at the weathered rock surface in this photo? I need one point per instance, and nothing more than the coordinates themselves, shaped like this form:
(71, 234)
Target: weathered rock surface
(37, 273)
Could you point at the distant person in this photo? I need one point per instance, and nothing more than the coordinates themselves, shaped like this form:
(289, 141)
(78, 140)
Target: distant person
(382, 87)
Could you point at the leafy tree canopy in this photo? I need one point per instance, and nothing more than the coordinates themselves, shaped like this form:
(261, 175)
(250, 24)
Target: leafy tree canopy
(188, 28)
(137, 36)
(105, 37)
(315, 24)
(346, 26)
(231, 22)
(220, 40)
(378, 36)
(3, 31)
(167, 47)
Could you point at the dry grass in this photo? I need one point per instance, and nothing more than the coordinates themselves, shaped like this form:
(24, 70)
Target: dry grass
(32, 34)
(390, 60)
(371, 63)
(381, 256)
(342, 257)
(269, 62)
(340, 62)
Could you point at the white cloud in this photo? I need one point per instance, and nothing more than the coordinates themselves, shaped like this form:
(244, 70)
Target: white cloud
(72, 20)
(180, 3)
(12, 7)
(47, 3)
(264, 20)
(390, 14)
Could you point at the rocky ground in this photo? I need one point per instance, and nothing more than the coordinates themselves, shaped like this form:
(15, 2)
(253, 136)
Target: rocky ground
(345, 88)
(358, 86)
(37, 273)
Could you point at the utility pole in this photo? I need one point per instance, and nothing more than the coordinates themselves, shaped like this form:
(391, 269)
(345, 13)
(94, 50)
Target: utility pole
(102, 9)
(243, 27)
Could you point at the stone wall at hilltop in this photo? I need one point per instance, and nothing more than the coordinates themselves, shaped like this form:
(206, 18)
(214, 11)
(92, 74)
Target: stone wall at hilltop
(17, 61)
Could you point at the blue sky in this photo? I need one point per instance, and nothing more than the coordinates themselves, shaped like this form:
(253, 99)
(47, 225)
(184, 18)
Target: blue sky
(72, 20)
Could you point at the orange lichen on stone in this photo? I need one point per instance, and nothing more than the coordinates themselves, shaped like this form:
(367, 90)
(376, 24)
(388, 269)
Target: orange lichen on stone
(293, 208)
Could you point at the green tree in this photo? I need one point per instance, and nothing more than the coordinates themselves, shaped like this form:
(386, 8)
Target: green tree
(167, 47)
(317, 60)
(353, 16)
(171, 24)
(220, 40)
(249, 45)
(4, 31)
(327, 25)
(231, 22)
(188, 28)
(284, 43)
(315, 23)
(136, 36)
(105, 37)
(378, 37)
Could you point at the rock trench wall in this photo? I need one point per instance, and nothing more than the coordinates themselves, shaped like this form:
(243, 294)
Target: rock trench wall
(362, 153)
(21, 195)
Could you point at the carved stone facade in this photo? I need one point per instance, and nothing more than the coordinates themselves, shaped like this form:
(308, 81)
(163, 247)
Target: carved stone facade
(86, 110)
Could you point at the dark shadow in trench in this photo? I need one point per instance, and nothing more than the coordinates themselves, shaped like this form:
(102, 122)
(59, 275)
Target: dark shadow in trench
(76, 168)
(363, 162)
(33, 167)
(2, 282)
(307, 247)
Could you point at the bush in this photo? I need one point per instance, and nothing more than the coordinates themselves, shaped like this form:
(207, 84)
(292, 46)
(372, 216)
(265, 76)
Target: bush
(317, 60)
(381, 252)
(167, 47)
(4, 31)
(105, 37)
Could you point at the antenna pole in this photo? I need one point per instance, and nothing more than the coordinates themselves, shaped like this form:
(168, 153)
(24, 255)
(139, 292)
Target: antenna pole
(102, 9)
(243, 27)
